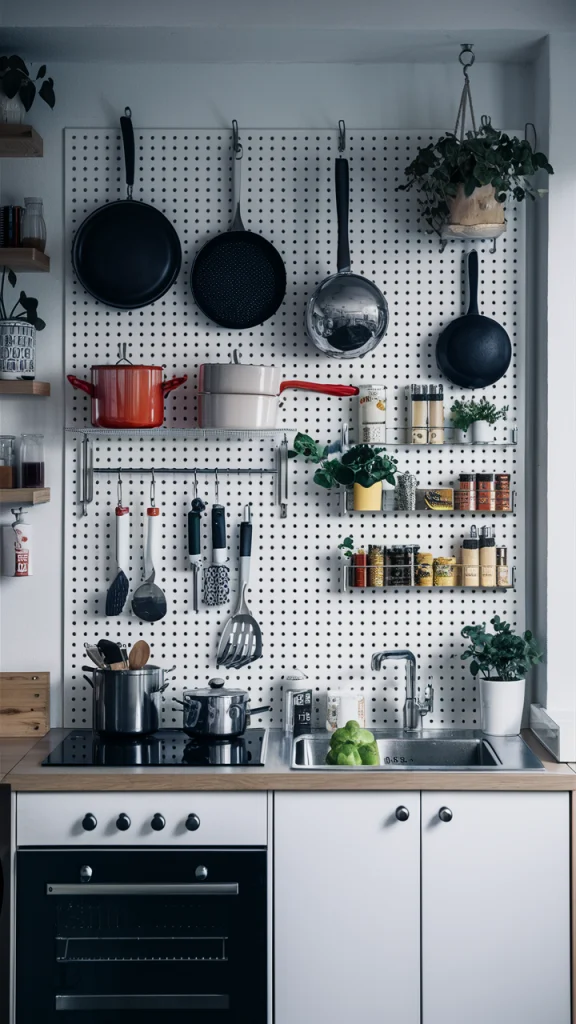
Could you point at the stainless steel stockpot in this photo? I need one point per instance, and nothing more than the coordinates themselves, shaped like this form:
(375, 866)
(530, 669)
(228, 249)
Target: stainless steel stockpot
(126, 701)
(215, 710)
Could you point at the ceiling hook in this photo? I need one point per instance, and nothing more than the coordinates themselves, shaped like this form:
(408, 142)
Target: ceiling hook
(153, 490)
(467, 48)
(341, 136)
(236, 144)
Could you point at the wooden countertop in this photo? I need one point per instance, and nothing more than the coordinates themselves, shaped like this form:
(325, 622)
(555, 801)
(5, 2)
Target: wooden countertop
(12, 750)
(27, 775)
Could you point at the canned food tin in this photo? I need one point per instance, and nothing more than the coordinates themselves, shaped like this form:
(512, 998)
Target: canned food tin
(371, 404)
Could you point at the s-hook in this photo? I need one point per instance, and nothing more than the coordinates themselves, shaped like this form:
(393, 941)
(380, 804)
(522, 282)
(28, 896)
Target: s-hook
(119, 491)
(467, 49)
(341, 136)
(236, 144)
(153, 491)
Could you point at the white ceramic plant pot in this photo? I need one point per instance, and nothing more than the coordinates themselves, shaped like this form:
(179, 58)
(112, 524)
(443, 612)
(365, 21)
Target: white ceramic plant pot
(17, 350)
(461, 436)
(12, 110)
(482, 432)
(502, 703)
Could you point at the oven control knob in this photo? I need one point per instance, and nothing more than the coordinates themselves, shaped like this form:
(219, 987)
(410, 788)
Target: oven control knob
(123, 822)
(158, 822)
(89, 822)
(201, 872)
(192, 822)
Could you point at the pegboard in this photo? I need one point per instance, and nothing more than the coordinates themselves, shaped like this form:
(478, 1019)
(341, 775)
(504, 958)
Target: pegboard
(288, 196)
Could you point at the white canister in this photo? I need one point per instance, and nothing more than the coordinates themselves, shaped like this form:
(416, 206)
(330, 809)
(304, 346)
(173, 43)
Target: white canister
(482, 432)
(502, 704)
(371, 404)
(17, 547)
(345, 706)
(17, 350)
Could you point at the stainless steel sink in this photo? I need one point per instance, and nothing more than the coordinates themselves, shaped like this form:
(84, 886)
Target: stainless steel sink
(429, 750)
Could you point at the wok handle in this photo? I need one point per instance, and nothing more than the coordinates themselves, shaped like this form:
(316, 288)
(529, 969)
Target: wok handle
(342, 204)
(129, 151)
(81, 385)
(173, 383)
(340, 390)
(472, 283)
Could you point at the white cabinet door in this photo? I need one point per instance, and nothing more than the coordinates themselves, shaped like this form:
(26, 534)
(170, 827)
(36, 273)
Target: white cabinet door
(347, 908)
(496, 909)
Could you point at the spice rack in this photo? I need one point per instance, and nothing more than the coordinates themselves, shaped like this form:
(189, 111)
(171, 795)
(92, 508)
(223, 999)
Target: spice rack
(390, 584)
(347, 507)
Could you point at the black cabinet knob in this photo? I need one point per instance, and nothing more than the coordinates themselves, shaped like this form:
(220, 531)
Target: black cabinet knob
(402, 813)
(192, 822)
(89, 822)
(123, 822)
(445, 814)
(158, 822)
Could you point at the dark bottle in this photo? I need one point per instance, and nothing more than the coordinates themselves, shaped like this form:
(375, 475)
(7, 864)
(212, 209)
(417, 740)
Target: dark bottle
(32, 460)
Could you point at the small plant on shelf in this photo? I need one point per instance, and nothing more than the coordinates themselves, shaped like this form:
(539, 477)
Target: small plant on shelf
(16, 80)
(452, 166)
(347, 547)
(27, 306)
(464, 414)
(362, 464)
(502, 655)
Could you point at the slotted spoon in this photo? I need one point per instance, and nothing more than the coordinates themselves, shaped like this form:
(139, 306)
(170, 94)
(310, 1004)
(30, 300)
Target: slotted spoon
(241, 641)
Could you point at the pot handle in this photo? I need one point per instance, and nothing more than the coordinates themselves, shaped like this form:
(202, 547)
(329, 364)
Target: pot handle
(340, 390)
(173, 383)
(161, 689)
(88, 680)
(81, 385)
(257, 710)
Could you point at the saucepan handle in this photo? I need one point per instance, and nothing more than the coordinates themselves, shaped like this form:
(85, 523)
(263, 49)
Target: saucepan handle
(173, 383)
(81, 385)
(257, 710)
(340, 390)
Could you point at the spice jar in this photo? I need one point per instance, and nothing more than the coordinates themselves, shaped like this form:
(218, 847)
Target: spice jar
(424, 573)
(375, 565)
(470, 560)
(395, 569)
(405, 494)
(7, 461)
(32, 460)
(372, 413)
(419, 414)
(503, 503)
(359, 570)
(445, 571)
(485, 492)
(487, 558)
(436, 414)
(465, 496)
(502, 572)
(33, 224)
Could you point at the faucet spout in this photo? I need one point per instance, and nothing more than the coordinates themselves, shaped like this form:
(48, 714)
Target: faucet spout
(414, 710)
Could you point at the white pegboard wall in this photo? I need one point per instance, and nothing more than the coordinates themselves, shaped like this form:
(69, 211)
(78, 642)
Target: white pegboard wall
(287, 194)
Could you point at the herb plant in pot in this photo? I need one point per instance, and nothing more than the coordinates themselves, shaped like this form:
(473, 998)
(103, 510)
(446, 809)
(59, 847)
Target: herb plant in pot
(18, 328)
(362, 466)
(478, 418)
(501, 659)
(18, 89)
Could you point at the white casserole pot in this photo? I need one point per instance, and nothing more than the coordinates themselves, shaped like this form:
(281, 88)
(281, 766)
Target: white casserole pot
(238, 379)
(256, 412)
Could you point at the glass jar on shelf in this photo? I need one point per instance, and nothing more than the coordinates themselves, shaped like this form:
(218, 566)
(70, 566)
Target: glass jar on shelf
(33, 224)
(7, 461)
(32, 460)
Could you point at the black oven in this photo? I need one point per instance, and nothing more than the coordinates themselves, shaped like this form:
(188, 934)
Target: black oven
(112, 935)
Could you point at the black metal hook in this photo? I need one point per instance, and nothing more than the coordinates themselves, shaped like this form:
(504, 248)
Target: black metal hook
(341, 136)
(530, 124)
(236, 144)
(467, 48)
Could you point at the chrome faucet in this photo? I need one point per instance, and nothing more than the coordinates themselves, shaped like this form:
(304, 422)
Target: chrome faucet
(414, 710)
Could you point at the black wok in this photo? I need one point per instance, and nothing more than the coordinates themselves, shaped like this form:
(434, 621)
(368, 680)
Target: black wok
(473, 351)
(126, 253)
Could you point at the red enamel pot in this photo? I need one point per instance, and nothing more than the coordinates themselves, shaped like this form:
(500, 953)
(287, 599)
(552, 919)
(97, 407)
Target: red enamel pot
(125, 396)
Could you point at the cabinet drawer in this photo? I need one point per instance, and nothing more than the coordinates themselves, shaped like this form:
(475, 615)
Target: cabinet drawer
(225, 819)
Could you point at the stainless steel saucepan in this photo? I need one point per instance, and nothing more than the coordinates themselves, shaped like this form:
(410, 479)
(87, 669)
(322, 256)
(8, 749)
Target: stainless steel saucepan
(126, 701)
(216, 711)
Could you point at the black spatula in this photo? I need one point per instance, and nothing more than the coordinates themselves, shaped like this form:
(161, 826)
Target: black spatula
(118, 589)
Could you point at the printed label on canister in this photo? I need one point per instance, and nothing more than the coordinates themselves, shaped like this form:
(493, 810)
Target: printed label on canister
(371, 404)
(372, 432)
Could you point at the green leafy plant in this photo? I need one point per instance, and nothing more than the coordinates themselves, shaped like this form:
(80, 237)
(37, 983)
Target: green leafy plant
(463, 414)
(362, 464)
(29, 306)
(502, 654)
(15, 79)
(347, 547)
(488, 157)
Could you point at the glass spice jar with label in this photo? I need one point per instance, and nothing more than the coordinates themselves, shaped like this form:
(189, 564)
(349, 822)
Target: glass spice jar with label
(465, 496)
(503, 494)
(485, 492)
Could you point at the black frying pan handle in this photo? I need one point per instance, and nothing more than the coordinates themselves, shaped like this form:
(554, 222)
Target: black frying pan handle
(342, 202)
(472, 283)
(129, 151)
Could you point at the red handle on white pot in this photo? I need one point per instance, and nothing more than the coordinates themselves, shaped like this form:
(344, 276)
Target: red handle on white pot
(173, 383)
(340, 390)
(81, 385)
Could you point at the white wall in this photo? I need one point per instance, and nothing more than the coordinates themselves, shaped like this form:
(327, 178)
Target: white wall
(407, 96)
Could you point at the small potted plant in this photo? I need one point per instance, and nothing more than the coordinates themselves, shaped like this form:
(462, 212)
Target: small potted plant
(478, 417)
(501, 659)
(465, 182)
(18, 333)
(18, 89)
(362, 466)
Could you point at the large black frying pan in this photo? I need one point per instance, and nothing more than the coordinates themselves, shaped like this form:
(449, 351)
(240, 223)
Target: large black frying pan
(473, 351)
(238, 278)
(126, 254)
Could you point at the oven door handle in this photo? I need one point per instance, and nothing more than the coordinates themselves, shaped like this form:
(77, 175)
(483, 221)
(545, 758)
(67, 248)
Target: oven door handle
(145, 889)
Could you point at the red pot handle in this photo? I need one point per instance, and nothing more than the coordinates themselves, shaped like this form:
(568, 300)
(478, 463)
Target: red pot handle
(340, 390)
(81, 385)
(173, 383)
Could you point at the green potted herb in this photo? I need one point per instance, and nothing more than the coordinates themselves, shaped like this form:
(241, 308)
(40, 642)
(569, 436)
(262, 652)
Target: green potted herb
(18, 89)
(18, 333)
(361, 466)
(478, 417)
(501, 659)
(465, 182)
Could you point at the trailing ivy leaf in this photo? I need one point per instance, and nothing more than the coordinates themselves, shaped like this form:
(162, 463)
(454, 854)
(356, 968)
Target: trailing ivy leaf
(47, 92)
(341, 473)
(16, 62)
(12, 277)
(11, 82)
(39, 324)
(41, 72)
(322, 478)
(27, 93)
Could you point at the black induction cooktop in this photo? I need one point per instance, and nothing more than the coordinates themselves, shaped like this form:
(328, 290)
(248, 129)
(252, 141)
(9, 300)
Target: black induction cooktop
(166, 748)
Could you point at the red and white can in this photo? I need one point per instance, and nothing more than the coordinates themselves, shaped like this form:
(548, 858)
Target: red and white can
(17, 547)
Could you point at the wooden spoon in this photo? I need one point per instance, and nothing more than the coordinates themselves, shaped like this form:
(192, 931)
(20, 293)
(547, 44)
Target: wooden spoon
(139, 655)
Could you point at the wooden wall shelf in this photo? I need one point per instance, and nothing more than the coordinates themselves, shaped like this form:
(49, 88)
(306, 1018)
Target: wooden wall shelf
(24, 387)
(20, 140)
(25, 261)
(24, 495)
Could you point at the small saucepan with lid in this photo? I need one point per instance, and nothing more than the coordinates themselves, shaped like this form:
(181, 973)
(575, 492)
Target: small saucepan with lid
(215, 710)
